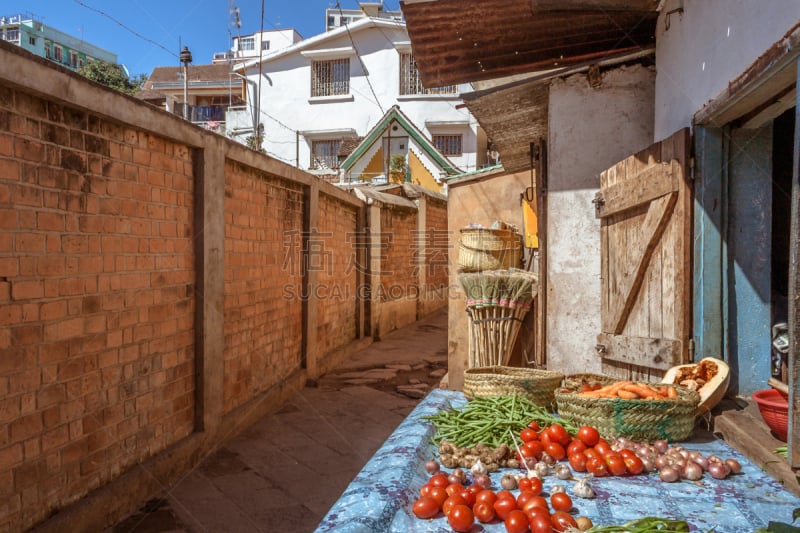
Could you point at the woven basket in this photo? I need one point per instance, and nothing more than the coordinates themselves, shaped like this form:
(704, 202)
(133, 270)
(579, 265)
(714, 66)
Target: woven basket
(536, 385)
(489, 249)
(640, 420)
(574, 381)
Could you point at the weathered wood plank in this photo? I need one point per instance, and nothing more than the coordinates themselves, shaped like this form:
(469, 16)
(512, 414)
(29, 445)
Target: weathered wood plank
(650, 352)
(658, 180)
(658, 215)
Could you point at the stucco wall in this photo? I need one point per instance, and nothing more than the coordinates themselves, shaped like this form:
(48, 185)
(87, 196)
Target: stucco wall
(589, 130)
(480, 201)
(707, 46)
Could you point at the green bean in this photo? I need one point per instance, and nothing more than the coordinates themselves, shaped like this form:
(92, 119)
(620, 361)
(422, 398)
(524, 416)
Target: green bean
(488, 421)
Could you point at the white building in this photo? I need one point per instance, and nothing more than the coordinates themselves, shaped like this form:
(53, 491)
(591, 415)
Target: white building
(319, 92)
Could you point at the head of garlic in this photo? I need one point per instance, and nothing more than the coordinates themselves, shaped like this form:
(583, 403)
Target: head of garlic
(478, 468)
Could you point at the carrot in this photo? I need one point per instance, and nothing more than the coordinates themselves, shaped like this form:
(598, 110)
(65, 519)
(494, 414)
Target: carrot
(627, 395)
(642, 391)
(671, 392)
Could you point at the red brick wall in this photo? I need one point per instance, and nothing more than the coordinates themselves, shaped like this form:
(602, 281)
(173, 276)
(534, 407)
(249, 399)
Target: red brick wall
(96, 302)
(337, 274)
(399, 238)
(263, 273)
(437, 244)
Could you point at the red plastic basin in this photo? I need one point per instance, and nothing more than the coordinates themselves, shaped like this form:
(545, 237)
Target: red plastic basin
(774, 410)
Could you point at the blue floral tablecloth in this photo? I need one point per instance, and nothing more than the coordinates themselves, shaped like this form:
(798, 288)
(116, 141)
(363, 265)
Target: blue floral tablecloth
(379, 498)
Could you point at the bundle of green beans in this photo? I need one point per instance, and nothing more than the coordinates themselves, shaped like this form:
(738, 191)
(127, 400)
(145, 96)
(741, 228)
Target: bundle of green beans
(645, 525)
(488, 421)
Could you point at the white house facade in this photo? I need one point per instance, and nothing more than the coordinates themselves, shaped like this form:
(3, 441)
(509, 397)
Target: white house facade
(319, 95)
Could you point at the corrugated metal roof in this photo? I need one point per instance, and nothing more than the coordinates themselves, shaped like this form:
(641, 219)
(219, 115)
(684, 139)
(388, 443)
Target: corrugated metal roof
(455, 41)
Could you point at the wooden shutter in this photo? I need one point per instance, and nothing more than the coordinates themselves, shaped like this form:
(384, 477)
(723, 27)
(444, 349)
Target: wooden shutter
(644, 206)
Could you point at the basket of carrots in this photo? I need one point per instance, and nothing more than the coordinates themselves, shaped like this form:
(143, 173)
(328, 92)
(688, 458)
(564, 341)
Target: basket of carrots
(632, 409)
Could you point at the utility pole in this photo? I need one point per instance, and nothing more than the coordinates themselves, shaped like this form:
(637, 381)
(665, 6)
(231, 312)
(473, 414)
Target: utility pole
(186, 58)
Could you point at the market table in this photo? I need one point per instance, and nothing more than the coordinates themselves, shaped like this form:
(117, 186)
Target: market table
(379, 498)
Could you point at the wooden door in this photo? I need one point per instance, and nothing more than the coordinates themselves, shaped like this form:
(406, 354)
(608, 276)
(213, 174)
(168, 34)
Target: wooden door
(645, 210)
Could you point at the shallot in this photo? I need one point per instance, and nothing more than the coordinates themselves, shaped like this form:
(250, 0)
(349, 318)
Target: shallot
(432, 467)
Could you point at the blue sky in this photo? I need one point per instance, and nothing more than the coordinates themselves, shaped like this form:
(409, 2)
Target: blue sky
(202, 25)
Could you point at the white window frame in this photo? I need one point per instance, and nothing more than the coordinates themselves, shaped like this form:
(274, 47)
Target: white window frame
(247, 44)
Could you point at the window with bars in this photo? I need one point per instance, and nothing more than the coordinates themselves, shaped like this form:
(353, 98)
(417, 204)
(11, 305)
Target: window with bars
(410, 82)
(330, 78)
(448, 144)
(325, 154)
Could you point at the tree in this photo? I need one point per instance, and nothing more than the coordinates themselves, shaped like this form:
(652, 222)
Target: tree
(112, 75)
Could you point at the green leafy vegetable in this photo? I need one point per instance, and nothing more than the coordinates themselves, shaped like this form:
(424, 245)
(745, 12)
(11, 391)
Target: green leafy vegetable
(645, 525)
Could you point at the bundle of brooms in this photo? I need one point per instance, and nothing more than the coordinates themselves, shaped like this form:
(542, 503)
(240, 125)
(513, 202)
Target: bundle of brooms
(497, 302)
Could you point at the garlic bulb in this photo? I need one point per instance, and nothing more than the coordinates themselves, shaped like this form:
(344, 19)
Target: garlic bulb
(478, 468)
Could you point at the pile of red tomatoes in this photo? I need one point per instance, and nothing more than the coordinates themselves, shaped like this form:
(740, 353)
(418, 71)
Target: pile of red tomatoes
(531, 510)
(586, 452)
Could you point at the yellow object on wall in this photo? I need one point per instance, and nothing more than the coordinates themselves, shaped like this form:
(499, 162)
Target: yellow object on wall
(531, 222)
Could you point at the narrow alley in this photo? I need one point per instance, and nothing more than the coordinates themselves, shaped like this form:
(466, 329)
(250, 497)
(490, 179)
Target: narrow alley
(285, 472)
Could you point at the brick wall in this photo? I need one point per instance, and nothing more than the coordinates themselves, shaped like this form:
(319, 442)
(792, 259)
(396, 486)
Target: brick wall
(144, 312)
(338, 269)
(263, 260)
(96, 301)
(438, 245)
(399, 238)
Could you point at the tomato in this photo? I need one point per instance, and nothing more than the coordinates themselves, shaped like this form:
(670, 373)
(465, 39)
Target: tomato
(523, 498)
(528, 435)
(523, 452)
(483, 511)
(439, 480)
(588, 435)
(503, 506)
(469, 496)
(625, 453)
(558, 434)
(425, 490)
(486, 496)
(602, 447)
(475, 489)
(615, 464)
(425, 507)
(634, 465)
(451, 502)
(541, 523)
(596, 466)
(556, 451)
(578, 461)
(544, 437)
(576, 445)
(454, 488)
(438, 494)
(461, 518)
(591, 452)
(533, 484)
(534, 425)
(516, 522)
(506, 494)
(533, 503)
(561, 502)
(562, 521)
(536, 447)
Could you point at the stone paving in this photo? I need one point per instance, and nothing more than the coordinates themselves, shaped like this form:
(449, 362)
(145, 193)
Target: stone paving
(283, 473)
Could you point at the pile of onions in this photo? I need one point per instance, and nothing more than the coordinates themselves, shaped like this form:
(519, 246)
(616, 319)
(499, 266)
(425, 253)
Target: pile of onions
(674, 463)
